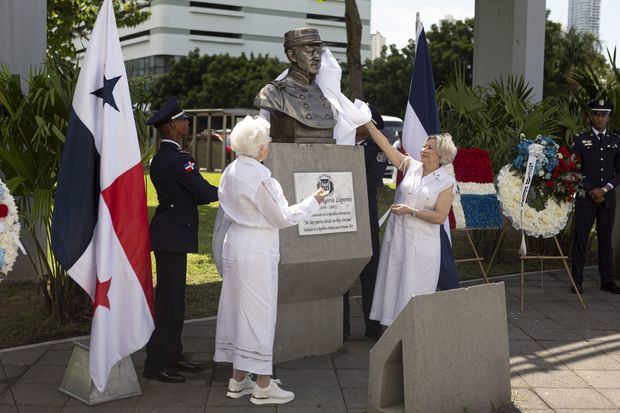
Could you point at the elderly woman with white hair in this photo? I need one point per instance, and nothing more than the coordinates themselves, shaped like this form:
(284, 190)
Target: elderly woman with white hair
(254, 203)
(410, 256)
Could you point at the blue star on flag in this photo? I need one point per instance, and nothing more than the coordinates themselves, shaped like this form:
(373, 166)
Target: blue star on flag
(106, 92)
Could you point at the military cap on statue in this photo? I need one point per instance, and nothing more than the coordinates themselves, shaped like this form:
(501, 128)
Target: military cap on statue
(376, 117)
(300, 37)
(169, 111)
(600, 105)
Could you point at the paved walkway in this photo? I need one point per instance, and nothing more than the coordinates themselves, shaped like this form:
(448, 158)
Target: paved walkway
(563, 359)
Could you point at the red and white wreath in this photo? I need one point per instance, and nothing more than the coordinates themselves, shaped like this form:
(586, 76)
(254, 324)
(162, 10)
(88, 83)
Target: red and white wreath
(9, 231)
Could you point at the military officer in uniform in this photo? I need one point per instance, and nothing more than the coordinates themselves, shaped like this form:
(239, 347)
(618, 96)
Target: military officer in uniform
(599, 150)
(174, 232)
(376, 162)
(299, 112)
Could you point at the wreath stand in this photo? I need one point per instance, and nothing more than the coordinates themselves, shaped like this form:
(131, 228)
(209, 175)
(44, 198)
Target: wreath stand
(523, 258)
(476, 258)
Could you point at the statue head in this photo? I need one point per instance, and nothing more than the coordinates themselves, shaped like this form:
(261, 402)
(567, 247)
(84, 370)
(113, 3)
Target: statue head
(303, 48)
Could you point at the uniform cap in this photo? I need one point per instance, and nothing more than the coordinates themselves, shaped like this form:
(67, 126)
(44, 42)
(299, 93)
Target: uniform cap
(600, 105)
(169, 111)
(300, 37)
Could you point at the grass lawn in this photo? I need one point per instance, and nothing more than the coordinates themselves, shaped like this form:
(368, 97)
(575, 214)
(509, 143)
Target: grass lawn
(24, 320)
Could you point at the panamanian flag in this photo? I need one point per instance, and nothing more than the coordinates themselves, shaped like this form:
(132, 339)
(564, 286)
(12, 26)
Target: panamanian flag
(100, 222)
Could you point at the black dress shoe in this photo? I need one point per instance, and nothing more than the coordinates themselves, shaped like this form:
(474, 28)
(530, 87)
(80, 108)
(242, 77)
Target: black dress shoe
(611, 288)
(189, 366)
(167, 376)
(579, 288)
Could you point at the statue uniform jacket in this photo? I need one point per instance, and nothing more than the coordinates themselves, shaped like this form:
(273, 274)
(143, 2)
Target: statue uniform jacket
(600, 164)
(180, 189)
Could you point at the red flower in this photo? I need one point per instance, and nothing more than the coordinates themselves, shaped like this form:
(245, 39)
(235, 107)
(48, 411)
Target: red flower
(4, 210)
(549, 183)
(473, 165)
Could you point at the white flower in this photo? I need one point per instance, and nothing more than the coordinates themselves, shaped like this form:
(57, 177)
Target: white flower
(10, 230)
(546, 223)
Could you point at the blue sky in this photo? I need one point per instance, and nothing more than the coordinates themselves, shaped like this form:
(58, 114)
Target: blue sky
(395, 19)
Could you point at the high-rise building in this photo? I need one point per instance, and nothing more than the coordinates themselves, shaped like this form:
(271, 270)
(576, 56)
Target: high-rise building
(177, 27)
(377, 41)
(584, 15)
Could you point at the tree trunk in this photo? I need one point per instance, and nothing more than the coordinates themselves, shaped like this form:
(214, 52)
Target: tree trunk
(354, 45)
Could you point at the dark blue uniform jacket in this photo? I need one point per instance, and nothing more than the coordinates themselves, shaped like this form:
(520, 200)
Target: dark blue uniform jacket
(600, 164)
(180, 189)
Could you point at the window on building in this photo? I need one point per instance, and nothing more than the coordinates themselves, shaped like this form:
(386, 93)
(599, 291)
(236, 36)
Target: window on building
(214, 6)
(149, 66)
(215, 34)
(324, 17)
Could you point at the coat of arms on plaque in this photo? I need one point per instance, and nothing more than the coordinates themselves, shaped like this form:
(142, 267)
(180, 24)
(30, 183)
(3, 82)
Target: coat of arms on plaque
(325, 181)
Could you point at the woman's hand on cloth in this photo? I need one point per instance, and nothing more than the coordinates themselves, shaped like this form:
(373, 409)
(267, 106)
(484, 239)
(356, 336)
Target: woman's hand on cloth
(403, 209)
(320, 194)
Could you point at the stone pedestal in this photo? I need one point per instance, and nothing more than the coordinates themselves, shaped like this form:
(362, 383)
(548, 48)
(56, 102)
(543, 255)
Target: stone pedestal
(445, 352)
(315, 270)
(122, 383)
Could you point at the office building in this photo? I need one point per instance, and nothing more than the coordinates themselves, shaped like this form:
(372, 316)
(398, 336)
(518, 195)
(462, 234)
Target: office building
(584, 15)
(177, 27)
(377, 41)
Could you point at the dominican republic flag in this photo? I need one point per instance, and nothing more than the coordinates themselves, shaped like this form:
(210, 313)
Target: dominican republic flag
(421, 116)
(100, 223)
(475, 204)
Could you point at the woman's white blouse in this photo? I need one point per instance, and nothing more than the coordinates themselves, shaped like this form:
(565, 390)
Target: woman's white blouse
(251, 197)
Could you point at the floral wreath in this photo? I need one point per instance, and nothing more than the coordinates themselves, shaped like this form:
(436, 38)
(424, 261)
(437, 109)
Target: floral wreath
(9, 231)
(553, 181)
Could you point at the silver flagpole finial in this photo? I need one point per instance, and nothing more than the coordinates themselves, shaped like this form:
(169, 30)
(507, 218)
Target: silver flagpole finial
(417, 23)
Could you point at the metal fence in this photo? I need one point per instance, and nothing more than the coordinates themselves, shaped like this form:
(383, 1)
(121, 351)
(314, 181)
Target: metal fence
(209, 143)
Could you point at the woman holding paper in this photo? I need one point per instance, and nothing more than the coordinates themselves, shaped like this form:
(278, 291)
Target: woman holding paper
(254, 203)
(411, 251)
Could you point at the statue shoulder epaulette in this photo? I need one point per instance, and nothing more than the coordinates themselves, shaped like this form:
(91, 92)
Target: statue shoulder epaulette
(280, 84)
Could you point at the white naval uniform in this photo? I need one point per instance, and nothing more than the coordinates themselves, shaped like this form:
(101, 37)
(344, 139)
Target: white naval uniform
(411, 250)
(255, 204)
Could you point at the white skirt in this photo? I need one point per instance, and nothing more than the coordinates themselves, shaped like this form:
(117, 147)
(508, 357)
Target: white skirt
(246, 317)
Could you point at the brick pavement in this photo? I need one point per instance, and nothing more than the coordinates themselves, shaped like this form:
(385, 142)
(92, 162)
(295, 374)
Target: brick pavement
(563, 359)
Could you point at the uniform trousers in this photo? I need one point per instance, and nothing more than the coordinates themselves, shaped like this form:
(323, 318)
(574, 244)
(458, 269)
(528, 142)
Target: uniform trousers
(368, 278)
(165, 348)
(584, 217)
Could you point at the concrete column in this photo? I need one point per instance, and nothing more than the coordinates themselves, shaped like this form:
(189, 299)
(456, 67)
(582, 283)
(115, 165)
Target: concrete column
(616, 237)
(509, 39)
(23, 39)
(23, 36)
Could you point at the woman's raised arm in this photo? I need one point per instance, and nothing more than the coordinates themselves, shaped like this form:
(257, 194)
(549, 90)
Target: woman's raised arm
(396, 158)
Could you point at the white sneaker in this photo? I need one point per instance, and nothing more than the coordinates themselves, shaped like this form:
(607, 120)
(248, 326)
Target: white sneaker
(237, 389)
(271, 394)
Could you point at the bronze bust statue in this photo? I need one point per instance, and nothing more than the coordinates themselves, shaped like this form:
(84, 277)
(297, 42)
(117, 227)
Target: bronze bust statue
(300, 113)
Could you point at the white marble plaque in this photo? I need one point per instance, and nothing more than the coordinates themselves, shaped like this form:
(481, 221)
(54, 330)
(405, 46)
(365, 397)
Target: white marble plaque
(337, 213)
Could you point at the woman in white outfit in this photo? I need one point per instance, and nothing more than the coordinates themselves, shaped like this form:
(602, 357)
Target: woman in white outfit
(411, 251)
(254, 202)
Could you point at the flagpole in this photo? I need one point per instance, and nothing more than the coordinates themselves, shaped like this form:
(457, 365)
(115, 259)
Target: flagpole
(417, 26)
